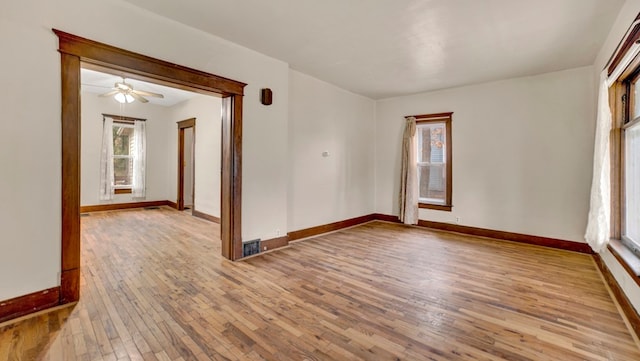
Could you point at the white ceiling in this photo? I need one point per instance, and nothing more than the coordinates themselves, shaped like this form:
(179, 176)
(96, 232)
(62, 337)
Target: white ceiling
(99, 83)
(385, 48)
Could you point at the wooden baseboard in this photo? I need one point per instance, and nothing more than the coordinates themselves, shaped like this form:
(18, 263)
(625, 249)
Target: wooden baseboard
(490, 233)
(173, 205)
(510, 236)
(623, 301)
(116, 206)
(274, 243)
(30, 303)
(208, 217)
(386, 218)
(314, 231)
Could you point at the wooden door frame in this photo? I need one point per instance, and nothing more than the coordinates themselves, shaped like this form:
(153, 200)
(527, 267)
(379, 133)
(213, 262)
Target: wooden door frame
(75, 52)
(182, 125)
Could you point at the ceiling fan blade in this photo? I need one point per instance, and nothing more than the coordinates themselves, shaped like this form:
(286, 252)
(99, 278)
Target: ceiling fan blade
(111, 93)
(138, 97)
(148, 94)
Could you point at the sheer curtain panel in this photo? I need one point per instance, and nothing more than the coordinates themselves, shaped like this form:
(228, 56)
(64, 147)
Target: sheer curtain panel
(139, 159)
(106, 161)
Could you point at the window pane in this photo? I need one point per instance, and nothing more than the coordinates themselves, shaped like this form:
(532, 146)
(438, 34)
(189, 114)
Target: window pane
(122, 140)
(431, 144)
(433, 183)
(122, 171)
(632, 183)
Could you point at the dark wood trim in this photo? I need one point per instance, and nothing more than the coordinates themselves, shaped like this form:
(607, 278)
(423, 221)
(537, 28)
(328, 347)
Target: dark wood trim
(202, 215)
(70, 286)
(187, 123)
(33, 302)
(631, 37)
(314, 231)
(146, 67)
(123, 118)
(70, 176)
(509, 236)
(434, 116)
(75, 52)
(173, 205)
(447, 119)
(182, 125)
(231, 185)
(386, 218)
(122, 191)
(116, 206)
(437, 207)
(623, 301)
(274, 243)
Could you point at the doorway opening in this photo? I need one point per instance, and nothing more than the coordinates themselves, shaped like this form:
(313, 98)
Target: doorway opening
(74, 51)
(186, 164)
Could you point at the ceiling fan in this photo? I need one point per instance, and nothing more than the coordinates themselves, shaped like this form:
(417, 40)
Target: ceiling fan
(124, 93)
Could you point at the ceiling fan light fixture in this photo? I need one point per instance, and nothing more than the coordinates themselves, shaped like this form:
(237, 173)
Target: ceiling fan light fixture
(123, 98)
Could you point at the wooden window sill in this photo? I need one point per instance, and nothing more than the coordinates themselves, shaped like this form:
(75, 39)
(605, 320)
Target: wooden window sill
(122, 191)
(627, 259)
(437, 207)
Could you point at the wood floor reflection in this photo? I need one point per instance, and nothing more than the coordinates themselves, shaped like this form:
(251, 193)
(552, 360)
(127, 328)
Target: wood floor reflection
(155, 288)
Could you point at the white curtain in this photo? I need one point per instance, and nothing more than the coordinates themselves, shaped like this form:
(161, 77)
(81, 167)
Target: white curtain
(598, 225)
(139, 159)
(409, 191)
(599, 220)
(106, 162)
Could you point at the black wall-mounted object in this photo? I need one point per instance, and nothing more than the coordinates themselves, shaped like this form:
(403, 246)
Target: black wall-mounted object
(266, 96)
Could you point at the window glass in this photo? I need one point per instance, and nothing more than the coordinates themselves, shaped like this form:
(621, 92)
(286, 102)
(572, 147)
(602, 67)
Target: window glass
(632, 183)
(122, 159)
(431, 162)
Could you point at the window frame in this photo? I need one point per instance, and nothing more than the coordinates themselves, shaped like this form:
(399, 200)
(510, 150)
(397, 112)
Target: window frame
(445, 118)
(120, 120)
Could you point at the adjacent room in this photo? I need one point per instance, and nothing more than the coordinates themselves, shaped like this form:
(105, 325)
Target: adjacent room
(286, 180)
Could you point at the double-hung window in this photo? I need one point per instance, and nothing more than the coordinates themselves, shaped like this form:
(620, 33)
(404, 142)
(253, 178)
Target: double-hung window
(123, 158)
(123, 148)
(433, 137)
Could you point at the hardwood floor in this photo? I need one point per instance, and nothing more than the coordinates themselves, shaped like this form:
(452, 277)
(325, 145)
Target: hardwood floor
(154, 287)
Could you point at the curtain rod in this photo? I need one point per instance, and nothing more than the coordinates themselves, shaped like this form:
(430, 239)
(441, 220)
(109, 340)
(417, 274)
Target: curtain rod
(122, 117)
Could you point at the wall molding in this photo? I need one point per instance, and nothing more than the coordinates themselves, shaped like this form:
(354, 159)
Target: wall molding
(314, 231)
(116, 206)
(205, 216)
(274, 243)
(490, 233)
(618, 293)
(27, 304)
(509, 236)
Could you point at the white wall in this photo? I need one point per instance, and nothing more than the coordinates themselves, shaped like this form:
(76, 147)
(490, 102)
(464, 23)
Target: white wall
(323, 118)
(30, 192)
(208, 114)
(521, 153)
(156, 181)
(627, 14)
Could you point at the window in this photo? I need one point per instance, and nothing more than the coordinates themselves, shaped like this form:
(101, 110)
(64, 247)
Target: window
(122, 156)
(123, 159)
(433, 137)
(629, 166)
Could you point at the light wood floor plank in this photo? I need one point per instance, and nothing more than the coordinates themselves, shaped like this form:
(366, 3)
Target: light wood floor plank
(154, 287)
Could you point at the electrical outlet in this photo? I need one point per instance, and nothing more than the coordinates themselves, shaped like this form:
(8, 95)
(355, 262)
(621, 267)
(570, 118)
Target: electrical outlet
(457, 220)
(277, 232)
(265, 248)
